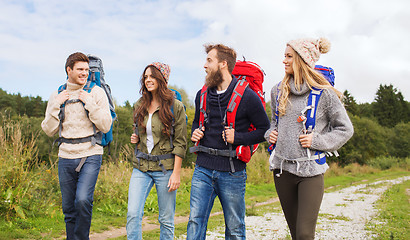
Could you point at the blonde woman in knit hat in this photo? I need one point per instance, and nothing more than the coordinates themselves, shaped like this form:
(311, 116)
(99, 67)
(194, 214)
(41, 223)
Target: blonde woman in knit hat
(160, 135)
(298, 176)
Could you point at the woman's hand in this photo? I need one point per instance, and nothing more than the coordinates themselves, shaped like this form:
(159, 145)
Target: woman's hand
(273, 137)
(306, 140)
(174, 181)
(134, 138)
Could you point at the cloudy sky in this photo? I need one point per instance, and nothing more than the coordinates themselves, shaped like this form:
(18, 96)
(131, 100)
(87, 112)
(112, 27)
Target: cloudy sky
(370, 40)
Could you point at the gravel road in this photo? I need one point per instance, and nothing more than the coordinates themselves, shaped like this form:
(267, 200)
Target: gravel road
(343, 215)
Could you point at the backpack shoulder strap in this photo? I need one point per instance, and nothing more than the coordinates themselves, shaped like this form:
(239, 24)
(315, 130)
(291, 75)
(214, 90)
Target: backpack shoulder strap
(232, 108)
(233, 104)
(313, 101)
(272, 146)
(62, 88)
(89, 85)
(172, 124)
(277, 104)
(203, 116)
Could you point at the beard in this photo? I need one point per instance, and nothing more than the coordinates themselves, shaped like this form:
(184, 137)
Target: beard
(213, 78)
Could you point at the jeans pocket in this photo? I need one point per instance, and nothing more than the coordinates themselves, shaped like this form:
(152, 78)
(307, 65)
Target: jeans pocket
(239, 175)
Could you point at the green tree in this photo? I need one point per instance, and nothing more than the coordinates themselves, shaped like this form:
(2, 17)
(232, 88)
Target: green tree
(122, 130)
(15, 104)
(400, 140)
(268, 110)
(390, 107)
(190, 158)
(350, 103)
(365, 110)
(370, 140)
(128, 105)
(7, 103)
(184, 95)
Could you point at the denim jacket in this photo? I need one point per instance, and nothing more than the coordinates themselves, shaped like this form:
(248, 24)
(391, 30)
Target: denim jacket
(161, 141)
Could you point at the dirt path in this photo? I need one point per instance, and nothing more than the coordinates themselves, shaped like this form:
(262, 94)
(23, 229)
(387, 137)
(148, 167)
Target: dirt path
(343, 215)
(119, 232)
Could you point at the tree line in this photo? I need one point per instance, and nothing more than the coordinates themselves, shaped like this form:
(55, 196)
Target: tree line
(382, 127)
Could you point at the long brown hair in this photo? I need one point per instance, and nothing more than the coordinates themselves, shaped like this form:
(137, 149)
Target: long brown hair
(301, 73)
(165, 96)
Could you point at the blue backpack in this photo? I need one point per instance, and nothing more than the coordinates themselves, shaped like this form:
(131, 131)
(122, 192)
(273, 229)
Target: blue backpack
(95, 78)
(178, 96)
(327, 72)
(313, 101)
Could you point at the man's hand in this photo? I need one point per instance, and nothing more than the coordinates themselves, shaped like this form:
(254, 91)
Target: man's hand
(62, 97)
(198, 134)
(84, 96)
(228, 135)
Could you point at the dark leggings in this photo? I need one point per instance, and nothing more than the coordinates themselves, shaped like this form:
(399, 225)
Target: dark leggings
(300, 198)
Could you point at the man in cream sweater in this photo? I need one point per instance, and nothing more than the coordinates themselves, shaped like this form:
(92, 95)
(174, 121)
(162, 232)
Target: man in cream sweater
(79, 156)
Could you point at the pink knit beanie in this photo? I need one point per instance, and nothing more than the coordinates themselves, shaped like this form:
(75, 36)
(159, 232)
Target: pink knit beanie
(163, 68)
(310, 49)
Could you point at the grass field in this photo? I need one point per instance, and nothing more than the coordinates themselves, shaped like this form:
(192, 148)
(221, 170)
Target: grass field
(30, 200)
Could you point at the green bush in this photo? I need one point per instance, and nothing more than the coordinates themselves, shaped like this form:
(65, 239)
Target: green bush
(25, 184)
(258, 168)
(384, 163)
(111, 191)
(370, 140)
(400, 140)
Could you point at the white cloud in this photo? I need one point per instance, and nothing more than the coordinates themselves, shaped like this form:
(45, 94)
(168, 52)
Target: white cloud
(368, 40)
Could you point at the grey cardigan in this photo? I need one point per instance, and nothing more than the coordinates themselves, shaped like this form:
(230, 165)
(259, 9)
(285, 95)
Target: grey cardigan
(332, 130)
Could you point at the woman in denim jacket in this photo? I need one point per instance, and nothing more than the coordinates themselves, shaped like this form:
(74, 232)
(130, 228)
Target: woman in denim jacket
(160, 135)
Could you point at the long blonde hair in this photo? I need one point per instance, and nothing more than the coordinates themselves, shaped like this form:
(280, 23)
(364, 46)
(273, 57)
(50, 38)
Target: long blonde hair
(301, 73)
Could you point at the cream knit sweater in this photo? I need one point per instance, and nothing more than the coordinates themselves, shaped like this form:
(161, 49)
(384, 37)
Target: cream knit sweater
(76, 123)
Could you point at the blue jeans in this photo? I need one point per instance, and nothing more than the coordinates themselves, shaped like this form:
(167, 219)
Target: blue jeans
(140, 186)
(77, 191)
(230, 189)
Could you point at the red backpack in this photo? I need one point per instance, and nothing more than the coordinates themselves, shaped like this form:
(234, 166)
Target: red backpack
(253, 74)
(248, 74)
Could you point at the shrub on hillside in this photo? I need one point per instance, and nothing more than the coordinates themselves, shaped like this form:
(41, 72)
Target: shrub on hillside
(370, 140)
(400, 141)
(258, 168)
(384, 163)
(26, 185)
